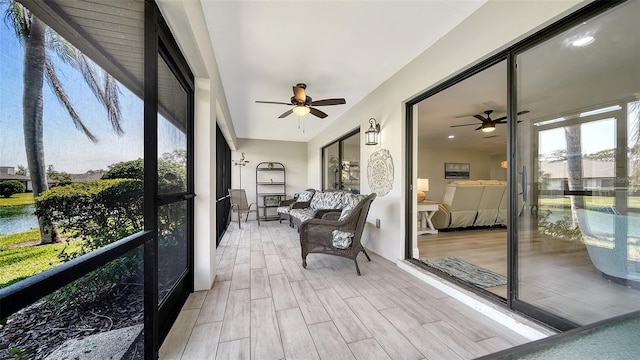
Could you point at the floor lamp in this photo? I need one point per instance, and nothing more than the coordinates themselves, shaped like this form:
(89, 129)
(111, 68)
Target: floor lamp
(241, 162)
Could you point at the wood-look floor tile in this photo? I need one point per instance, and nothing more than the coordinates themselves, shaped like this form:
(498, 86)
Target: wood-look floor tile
(257, 260)
(195, 300)
(215, 303)
(423, 340)
(455, 340)
(273, 264)
(243, 256)
(241, 276)
(260, 287)
(203, 342)
(175, 342)
(236, 350)
(309, 304)
(296, 340)
(368, 349)
(265, 334)
(375, 297)
(268, 248)
(344, 319)
(237, 317)
(283, 297)
(494, 344)
(391, 340)
(292, 269)
(329, 343)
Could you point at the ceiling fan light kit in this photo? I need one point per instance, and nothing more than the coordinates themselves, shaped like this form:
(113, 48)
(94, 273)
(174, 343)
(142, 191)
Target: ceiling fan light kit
(303, 104)
(301, 110)
(488, 124)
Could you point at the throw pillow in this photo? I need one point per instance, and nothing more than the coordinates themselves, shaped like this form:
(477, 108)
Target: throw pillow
(342, 239)
(350, 202)
(304, 196)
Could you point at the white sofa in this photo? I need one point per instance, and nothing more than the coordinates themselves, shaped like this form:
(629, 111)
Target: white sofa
(469, 203)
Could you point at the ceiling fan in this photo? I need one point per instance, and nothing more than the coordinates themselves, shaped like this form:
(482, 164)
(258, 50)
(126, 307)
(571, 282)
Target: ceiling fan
(302, 103)
(488, 124)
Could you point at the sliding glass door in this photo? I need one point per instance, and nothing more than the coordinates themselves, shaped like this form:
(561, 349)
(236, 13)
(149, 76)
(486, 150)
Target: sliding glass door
(578, 241)
(341, 164)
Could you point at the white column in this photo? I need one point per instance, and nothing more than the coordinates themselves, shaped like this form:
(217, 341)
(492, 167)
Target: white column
(205, 187)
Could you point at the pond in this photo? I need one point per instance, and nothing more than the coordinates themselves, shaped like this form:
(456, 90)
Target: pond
(17, 218)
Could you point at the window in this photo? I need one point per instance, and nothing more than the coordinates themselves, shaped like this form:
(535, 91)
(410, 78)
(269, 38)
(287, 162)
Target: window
(341, 164)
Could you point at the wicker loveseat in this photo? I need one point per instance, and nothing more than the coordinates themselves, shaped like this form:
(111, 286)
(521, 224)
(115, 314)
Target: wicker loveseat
(302, 201)
(318, 235)
(320, 204)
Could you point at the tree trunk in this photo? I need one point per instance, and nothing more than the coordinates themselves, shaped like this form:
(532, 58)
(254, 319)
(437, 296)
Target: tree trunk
(573, 137)
(33, 79)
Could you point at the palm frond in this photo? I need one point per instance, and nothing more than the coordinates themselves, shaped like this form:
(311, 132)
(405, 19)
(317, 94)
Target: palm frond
(56, 86)
(106, 91)
(18, 18)
(60, 46)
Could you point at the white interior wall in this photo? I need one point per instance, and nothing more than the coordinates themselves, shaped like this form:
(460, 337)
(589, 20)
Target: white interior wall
(431, 166)
(465, 45)
(293, 155)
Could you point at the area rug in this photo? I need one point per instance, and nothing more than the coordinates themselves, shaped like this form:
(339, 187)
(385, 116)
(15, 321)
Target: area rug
(469, 273)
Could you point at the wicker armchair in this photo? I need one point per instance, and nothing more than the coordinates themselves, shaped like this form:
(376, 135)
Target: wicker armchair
(316, 234)
(286, 205)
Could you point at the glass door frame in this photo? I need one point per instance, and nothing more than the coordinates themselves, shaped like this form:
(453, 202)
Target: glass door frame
(160, 42)
(509, 53)
(340, 157)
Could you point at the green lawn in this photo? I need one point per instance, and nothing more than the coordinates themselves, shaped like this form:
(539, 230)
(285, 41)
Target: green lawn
(17, 200)
(634, 201)
(18, 263)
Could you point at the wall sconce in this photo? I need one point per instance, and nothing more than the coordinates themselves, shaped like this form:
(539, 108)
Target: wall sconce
(423, 185)
(503, 164)
(372, 134)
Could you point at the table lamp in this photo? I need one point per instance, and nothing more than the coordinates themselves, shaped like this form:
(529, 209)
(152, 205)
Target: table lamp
(423, 185)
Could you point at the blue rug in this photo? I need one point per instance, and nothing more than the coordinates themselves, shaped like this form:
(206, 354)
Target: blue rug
(469, 273)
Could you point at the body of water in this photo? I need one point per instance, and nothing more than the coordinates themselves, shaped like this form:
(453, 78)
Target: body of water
(17, 218)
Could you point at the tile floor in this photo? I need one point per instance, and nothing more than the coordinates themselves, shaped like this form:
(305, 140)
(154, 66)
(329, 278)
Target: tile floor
(264, 305)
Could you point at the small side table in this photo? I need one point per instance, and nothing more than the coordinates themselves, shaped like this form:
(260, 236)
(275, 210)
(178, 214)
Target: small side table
(426, 210)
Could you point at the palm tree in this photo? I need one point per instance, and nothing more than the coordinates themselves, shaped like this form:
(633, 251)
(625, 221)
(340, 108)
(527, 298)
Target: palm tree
(40, 44)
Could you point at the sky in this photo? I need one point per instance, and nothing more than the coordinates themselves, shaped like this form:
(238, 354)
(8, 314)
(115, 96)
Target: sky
(65, 147)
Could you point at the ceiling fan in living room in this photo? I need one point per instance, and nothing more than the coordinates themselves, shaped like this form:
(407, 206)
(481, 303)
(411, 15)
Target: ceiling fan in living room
(304, 104)
(488, 124)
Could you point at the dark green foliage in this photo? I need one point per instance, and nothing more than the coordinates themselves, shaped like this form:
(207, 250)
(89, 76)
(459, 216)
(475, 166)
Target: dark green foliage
(133, 169)
(172, 176)
(99, 212)
(10, 187)
(62, 178)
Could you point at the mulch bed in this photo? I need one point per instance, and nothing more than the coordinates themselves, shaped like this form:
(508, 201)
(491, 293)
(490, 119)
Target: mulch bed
(40, 328)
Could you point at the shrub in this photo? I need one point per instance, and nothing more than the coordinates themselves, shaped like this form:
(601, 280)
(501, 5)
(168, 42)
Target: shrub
(172, 176)
(133, 169)
(10, 187)
(97, 212)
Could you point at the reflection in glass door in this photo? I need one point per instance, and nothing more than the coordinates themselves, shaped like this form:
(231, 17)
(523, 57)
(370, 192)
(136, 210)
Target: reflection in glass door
(578, 226)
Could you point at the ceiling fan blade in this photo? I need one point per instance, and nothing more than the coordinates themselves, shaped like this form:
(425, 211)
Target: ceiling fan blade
(273, 102)
(499, 122)
(286, 113)
(326, 102)
(478, 128)
(504, 117)
(479, 117)
(318, 113)
(299, 94)
(463, 125)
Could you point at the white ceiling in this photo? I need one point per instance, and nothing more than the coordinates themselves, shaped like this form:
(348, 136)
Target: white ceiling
(338, 48)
